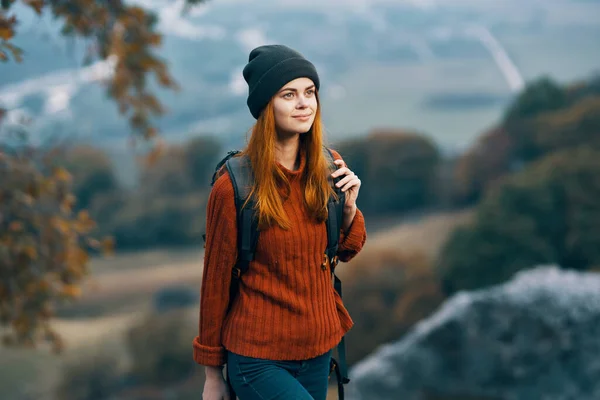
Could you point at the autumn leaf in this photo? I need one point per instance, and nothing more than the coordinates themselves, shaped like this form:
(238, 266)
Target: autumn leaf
(30, 252)
(15, 226)
(84, 222)
(155, 39)
(68, 202)
(37, 5)
(108, 246)
(61, 225)
(71, 291)
(16, 51)
(7, 27)
(155, 153)
(62, 174)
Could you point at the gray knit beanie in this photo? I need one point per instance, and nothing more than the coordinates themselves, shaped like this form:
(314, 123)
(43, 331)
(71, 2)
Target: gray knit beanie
(269, 68)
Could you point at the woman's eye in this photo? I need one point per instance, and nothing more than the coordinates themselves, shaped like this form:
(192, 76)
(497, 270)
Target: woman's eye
(288, 95)
(310, 91)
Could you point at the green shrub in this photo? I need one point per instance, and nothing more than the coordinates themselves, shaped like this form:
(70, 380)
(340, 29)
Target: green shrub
(540, 96)
(481, 166)
(182, 168)
(93, 378)
(92, 172)
(161, 220)
(160, 348)
(388, 298)
(547, 213)
(202, 156)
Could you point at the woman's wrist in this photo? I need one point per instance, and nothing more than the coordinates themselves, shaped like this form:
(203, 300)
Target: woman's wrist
(212, 372)
(350, 209)
(349, 213)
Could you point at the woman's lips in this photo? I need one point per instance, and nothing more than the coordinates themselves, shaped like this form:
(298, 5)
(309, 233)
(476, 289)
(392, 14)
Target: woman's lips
(303, 117)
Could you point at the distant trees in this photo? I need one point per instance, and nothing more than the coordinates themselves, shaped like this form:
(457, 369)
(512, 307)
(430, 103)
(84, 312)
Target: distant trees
(399, 169)
(92, 171)
(543, 119)
(168, 206)
(537, 176)
(481, 166)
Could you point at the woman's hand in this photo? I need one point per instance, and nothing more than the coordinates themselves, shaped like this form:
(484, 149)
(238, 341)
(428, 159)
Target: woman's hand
(215, 387)
(350, 185)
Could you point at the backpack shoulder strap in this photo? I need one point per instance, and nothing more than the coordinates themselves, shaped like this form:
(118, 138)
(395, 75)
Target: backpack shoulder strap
(219, 167)
(218, 172)
(335, 210)
(242, 179)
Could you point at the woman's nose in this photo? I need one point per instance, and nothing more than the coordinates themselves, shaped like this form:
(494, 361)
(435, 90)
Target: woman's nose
(302, 102)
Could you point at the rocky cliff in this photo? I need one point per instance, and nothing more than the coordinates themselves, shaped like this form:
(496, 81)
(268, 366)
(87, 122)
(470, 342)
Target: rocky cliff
(535, 337)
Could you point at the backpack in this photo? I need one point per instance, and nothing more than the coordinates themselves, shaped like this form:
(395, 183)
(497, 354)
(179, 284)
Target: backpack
(240, 172)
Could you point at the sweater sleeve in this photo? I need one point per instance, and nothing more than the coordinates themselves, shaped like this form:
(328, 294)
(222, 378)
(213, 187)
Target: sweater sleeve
(352, 241)
(219, 257)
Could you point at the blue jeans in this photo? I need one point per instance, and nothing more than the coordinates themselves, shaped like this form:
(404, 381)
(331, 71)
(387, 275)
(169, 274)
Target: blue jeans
(259, 379)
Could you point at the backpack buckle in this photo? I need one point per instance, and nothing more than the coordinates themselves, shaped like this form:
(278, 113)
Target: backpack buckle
(335, 260)
(236, 272)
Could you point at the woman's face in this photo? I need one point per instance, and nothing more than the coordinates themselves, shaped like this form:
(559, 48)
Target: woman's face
(295, 106)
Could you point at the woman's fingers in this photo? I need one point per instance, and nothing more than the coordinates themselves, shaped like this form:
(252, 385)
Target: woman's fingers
(345, 179)
(353, 182)
(347, 182)
(340, 172)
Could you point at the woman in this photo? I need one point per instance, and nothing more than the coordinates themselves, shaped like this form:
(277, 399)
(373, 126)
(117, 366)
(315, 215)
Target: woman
(277, 337)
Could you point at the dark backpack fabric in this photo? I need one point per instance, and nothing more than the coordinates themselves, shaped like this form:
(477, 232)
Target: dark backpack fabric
(241, 175)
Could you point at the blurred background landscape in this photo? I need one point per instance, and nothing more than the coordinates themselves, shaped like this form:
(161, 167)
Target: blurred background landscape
(474, 126)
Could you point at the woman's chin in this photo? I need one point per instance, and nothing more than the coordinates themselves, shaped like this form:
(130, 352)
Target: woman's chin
(303, 127)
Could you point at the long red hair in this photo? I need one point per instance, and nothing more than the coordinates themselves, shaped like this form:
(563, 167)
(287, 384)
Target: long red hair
(270, 181)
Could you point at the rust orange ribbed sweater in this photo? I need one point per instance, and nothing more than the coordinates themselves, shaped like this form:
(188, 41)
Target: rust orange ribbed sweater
(287, 308)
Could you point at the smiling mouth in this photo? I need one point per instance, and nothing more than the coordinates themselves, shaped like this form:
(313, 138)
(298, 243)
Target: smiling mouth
(302, 116)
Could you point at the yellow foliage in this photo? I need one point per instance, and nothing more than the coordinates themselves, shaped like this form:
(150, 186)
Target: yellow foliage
(31, 252)
(71, 290)
(21, 323)
(44, 285)
(108, 246)
(61, 225)
(15, 226)
(67, 204)
(7, 27)
(62, 175)
(84, 222)
(76, 261)
(37, 5)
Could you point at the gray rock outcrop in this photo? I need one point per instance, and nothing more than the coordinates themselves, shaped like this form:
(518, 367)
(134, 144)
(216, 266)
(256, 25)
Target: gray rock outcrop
(536, 337)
